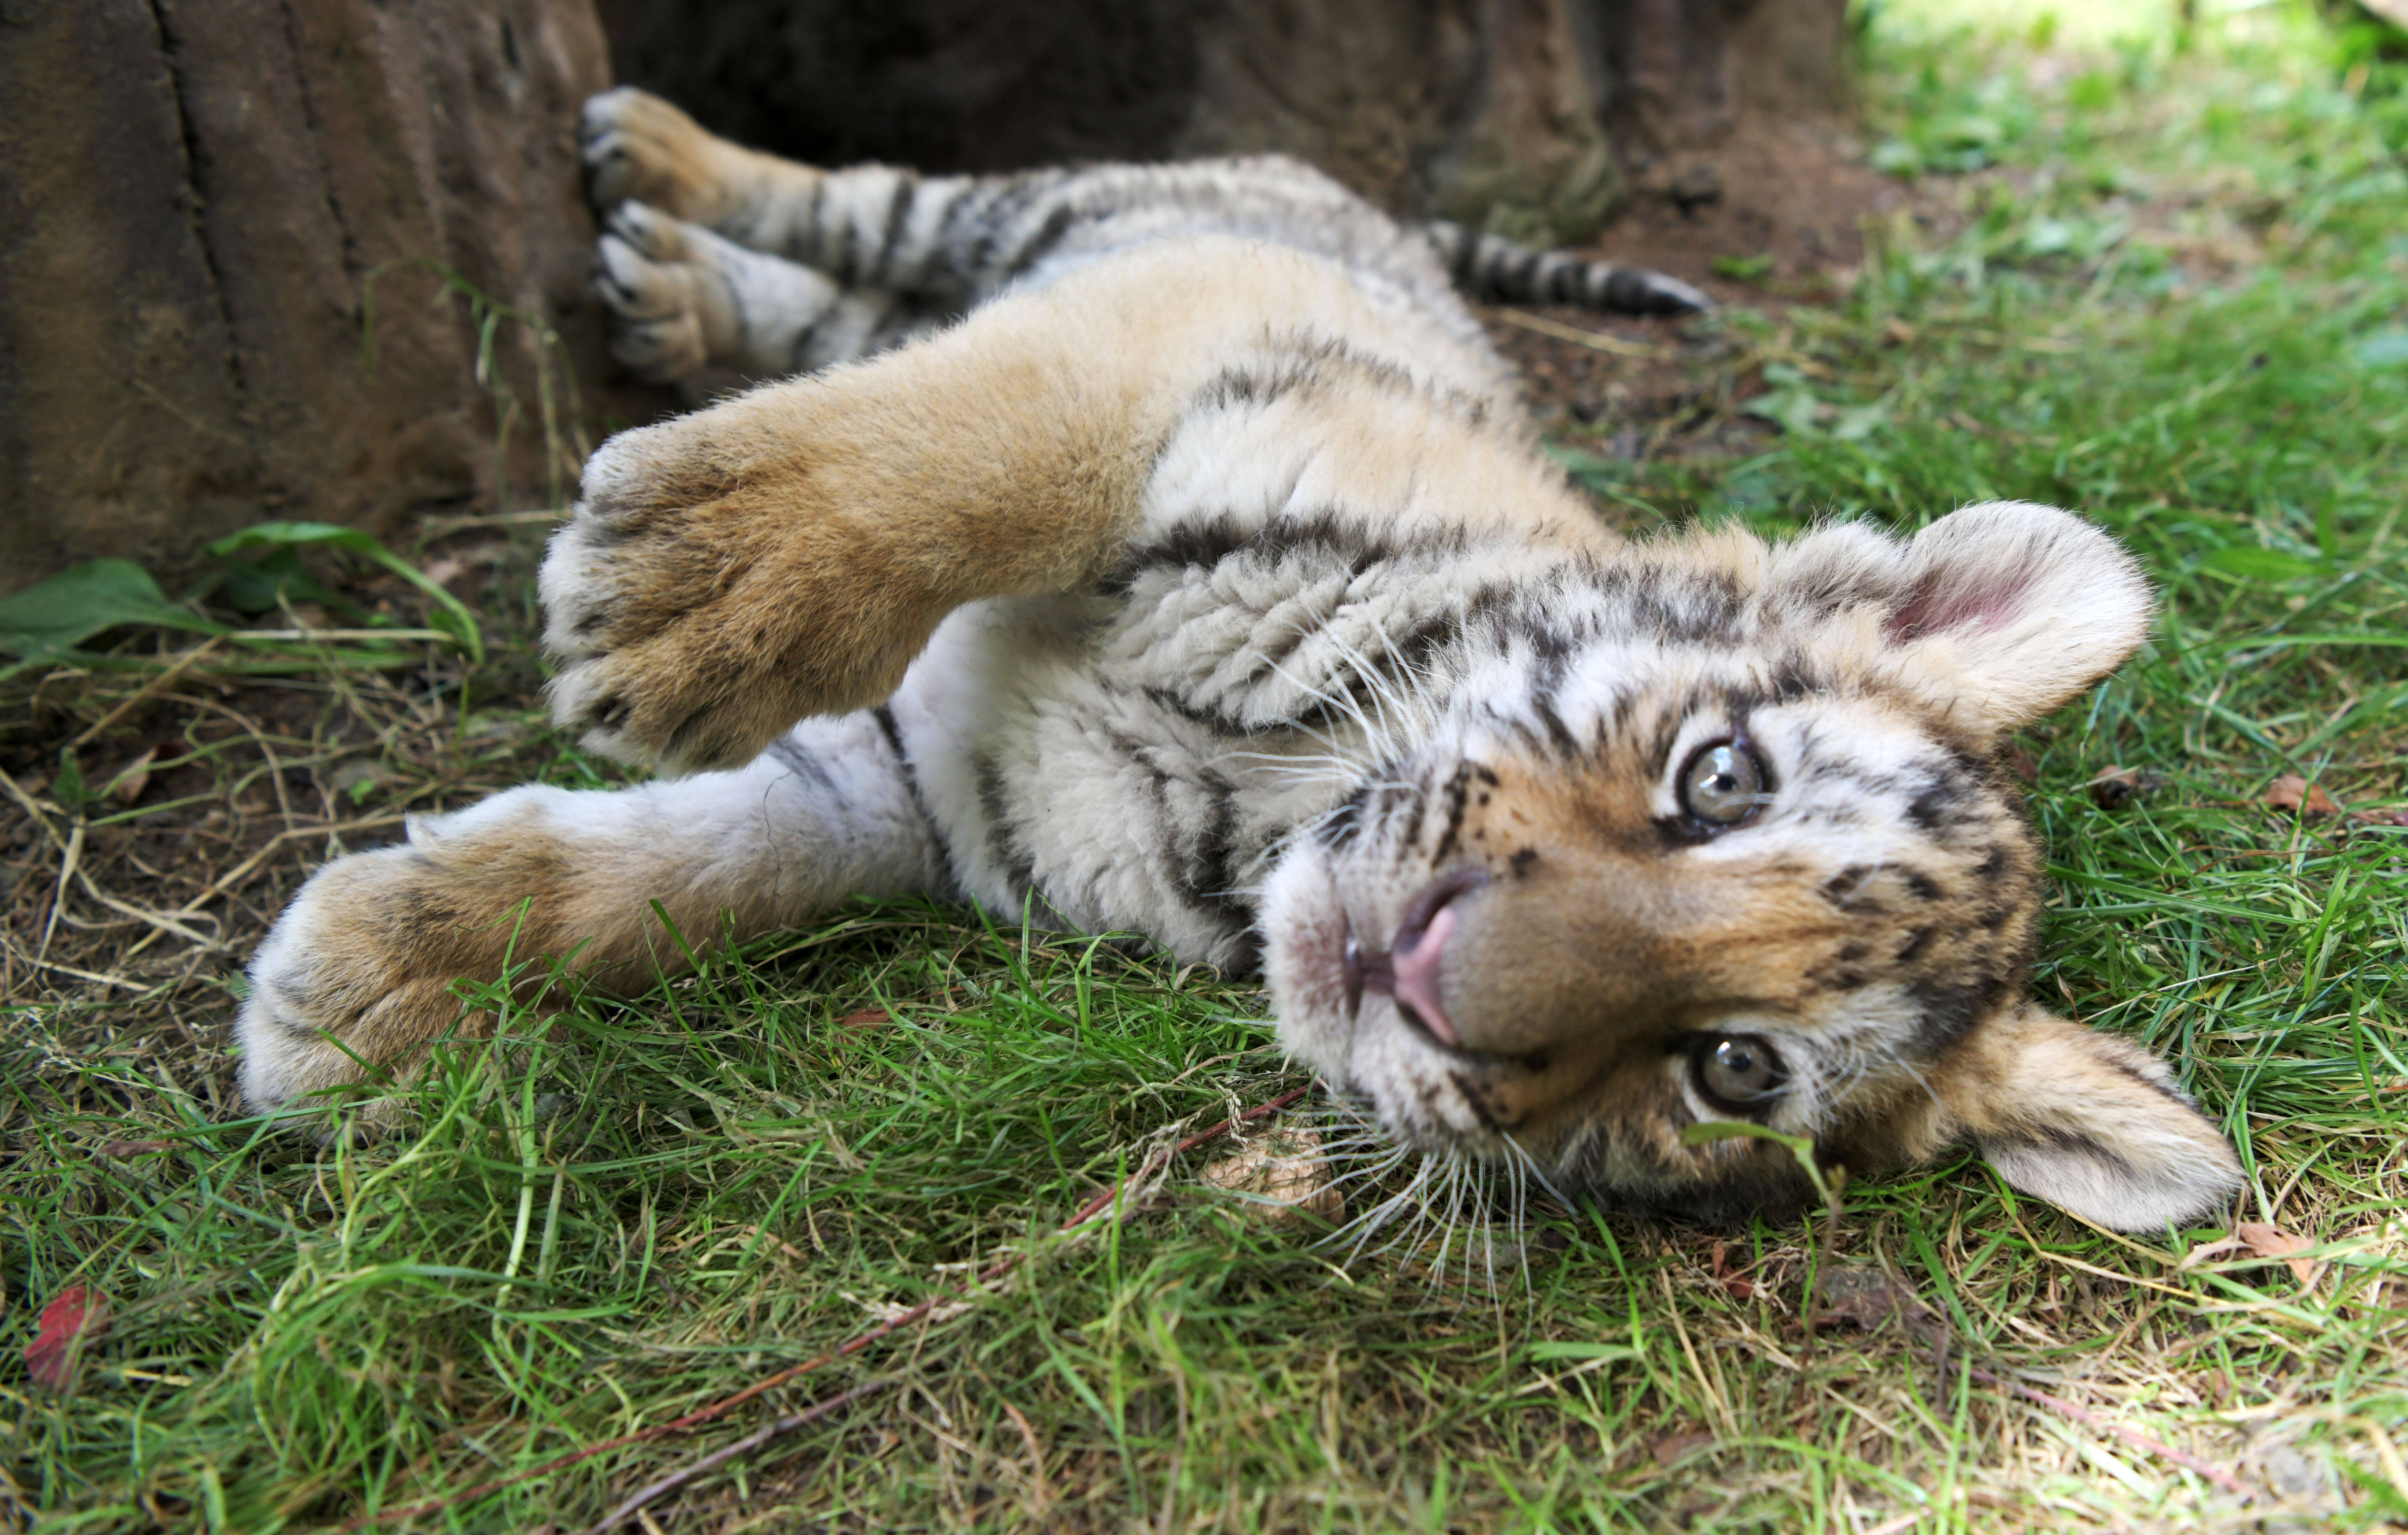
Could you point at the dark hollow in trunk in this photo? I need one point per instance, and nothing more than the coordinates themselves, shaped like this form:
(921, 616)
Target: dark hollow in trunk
(1529, 116)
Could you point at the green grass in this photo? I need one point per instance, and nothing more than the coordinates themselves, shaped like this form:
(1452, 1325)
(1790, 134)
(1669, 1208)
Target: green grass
(2170, 288)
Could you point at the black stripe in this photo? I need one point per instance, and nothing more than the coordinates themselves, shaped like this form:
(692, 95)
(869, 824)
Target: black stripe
(802, 350)
(910, 776)
(942, 277)
(1344, 825)
(1013, 196)
(1039, 246)
(2063, 1141)
(802, 764)
(1217, 848)
(844, 265)
(1458, 796)
(1419, 800)
(1526, 271)
(898, 212)
(1331, 532)
(1562, 279)
(1543, 703)
(1202, 872)
(817, 255)
(1004, 840)
(1951, 1008)
(1484, 282)
(2152, 1084)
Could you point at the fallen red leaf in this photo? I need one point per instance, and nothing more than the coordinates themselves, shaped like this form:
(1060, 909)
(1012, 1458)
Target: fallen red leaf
(2297, 794)
(134, 778)
(865, 1018)
(2019, 761)
(74, 1317)
(1734, 1283)
(2113, 788)
(2267, 1242)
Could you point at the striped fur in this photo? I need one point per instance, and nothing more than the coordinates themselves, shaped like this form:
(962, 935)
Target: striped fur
(1205, 584)
(1496, 270)
(874, 254)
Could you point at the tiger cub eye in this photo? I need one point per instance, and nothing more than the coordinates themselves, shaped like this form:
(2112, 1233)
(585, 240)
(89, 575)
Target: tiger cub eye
(1722, 784)
(1737, 1070)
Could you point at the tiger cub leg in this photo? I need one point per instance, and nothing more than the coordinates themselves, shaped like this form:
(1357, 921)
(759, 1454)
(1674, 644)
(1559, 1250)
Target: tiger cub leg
(875, 227)
(683, 298)
(357, 980)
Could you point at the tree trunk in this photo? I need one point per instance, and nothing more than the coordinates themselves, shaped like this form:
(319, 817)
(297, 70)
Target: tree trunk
(200, 196)
(208, 208)
(1529, 116)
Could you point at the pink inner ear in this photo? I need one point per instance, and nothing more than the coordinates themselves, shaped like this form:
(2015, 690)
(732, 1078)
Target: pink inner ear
(1935, 606)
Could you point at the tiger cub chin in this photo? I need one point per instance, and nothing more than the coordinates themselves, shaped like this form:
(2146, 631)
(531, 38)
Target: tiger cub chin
(1164, 549)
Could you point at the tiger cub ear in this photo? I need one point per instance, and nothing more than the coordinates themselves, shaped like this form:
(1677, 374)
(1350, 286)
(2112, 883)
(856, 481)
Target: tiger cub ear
(2005, 611)
(2088, 1121)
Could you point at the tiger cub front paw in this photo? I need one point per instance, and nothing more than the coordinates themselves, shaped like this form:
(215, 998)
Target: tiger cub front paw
(721, 579)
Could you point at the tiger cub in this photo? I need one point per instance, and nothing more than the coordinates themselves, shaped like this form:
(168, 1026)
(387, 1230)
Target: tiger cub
(1182, 563)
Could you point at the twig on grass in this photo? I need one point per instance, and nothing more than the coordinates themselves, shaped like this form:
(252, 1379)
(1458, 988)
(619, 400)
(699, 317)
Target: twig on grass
(134, 700)
(2132, 1436)
(1110, 1199)
(83, 975)
(753, 1440)
(1594, 340)
(224, 883)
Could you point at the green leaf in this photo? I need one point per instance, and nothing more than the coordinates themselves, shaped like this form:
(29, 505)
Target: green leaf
(1793, 409)
(46, 621)
(1708, 1130)
(451, 615)
(2270, 564)
(1800, 1146)
(1896, 157)
(67, 788)
(266, 585)
(1582, 1351)
(2384, 348)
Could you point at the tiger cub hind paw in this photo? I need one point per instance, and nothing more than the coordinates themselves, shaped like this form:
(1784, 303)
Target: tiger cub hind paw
(638, 147)
(671, 309)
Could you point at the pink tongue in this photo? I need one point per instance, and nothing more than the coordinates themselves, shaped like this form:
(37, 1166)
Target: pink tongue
(1417, 974)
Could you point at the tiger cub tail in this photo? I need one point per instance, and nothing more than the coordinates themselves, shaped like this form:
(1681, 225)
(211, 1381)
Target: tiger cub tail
(1495, 270)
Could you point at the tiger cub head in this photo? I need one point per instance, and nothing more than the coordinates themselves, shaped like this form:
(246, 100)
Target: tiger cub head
(1721, 833)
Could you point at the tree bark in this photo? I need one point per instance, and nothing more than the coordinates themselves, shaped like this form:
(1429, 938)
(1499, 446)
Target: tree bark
(199, 196)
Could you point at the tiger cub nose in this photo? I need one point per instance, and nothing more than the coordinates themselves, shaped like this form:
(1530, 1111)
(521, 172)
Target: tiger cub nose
(1414, 965)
